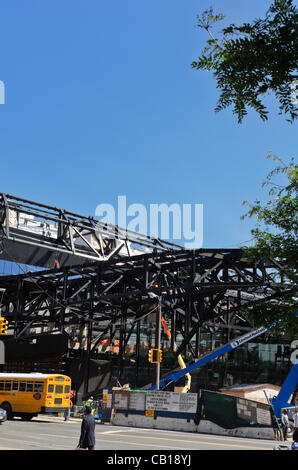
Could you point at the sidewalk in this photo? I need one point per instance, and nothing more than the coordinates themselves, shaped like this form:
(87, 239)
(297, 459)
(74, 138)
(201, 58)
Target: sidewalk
(73, 419)
(55, 418)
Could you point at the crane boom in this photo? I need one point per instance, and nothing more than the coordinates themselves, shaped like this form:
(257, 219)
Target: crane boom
(235, 343)
(288, 387)
(278, 402)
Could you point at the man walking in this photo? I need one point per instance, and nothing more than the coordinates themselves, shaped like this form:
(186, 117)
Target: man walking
(87, 437)
(295, 418)
(285, 424)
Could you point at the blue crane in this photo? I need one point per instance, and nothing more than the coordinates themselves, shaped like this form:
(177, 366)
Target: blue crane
(288, 387)
(278, 402)
(212, 355)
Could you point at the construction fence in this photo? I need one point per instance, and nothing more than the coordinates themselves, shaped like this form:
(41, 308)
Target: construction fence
(206, 411)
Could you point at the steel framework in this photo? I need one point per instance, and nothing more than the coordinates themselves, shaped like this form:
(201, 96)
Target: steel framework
(195, 286)
(41, 235)
(105, 285)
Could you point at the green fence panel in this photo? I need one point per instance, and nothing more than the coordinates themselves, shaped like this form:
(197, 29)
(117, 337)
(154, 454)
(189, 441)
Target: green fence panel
(223, 410)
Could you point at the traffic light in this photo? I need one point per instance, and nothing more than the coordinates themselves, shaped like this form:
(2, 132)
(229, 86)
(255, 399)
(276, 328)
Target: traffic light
(155, 356)
(159, 355)
(3, 326)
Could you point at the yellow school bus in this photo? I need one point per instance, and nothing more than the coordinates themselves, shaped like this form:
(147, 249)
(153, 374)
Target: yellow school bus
(27, 395)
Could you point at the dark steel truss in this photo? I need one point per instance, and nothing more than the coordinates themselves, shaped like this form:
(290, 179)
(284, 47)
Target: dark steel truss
(195, 287)
(102, 288)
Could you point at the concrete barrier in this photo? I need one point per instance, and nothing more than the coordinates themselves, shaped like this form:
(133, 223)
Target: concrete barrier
(159, 422)
(207, 427)
(176, 424)
(209, 413)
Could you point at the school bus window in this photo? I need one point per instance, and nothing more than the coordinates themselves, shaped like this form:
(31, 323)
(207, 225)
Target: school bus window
(66, 389)
(7, 385)
(38, 387)
(15, 386)
(1, 385)
(59, 389)
(50, 388)
(22, 386)
(29, 386)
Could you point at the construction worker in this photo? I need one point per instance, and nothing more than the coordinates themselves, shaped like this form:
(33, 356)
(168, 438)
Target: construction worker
(285, 424)
(89, 402)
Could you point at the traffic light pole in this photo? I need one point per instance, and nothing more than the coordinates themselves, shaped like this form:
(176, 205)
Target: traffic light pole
(157, 341)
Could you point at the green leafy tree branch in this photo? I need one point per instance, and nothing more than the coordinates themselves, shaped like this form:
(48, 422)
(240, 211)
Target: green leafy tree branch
(252, 60)
(275, 239)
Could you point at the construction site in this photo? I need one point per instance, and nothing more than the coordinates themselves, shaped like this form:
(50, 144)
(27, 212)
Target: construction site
(97, 302)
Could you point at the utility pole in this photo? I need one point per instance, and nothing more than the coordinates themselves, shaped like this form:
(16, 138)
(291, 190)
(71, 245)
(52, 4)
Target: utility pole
(157, 340)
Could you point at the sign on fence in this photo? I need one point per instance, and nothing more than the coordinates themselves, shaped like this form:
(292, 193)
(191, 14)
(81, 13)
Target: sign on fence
(172, 401)
(121, 400)
(253, 412)
(137, 401)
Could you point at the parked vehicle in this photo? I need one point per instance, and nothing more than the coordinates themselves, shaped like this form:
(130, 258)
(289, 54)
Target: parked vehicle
(27, 395)
(3, 415)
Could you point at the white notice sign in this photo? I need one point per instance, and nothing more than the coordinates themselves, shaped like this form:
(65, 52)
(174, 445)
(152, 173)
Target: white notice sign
(263, 416)
(121, 400)
(137, 401)
(171, 401)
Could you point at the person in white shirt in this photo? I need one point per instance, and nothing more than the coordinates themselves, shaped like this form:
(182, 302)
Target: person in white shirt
(285, 424)
(295, 417)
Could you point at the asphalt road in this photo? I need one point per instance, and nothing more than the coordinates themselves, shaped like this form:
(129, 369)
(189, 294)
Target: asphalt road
(55, 434)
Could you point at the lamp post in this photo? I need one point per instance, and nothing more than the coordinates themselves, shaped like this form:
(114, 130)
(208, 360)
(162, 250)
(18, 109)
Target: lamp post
(157, 340)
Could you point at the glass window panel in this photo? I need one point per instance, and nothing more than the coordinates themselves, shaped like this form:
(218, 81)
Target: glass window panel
(38, 387)
(29, 386)
(15, 385)
(22, 387)
(59, 389)
(8, 385)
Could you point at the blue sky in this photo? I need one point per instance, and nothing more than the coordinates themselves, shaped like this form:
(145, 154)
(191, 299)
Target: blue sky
(101, 101)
